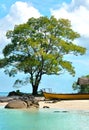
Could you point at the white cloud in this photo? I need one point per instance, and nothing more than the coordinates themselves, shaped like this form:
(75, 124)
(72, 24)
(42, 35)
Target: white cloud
(78, 13)
(19, 12)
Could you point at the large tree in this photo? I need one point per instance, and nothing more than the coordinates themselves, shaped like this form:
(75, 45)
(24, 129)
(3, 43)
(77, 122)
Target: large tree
(38, 48)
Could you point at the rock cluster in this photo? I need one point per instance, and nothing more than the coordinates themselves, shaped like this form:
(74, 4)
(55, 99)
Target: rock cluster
(25, 101)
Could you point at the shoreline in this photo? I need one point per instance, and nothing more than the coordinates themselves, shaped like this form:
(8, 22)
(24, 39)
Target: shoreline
(3, 104)
(63, 104)
(66, 104)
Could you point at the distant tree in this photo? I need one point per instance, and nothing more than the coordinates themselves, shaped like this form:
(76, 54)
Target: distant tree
(38, 47)
(83, 88)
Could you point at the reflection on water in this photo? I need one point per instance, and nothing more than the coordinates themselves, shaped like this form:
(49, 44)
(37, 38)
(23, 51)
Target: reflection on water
(43, 119)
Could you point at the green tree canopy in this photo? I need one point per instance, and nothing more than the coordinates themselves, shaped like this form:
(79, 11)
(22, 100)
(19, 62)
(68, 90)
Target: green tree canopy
(83, 87)
(38, 47)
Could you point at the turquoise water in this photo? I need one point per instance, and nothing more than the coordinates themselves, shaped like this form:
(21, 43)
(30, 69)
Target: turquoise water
(43, 120)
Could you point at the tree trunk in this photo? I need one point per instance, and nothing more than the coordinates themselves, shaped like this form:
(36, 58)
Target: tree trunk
(34, 91)
(35, 83)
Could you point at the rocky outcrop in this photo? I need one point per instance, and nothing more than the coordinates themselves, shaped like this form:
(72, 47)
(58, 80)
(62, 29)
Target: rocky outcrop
(16, 104)
(6, 99)
(15, 93)
(25, 101)
(32, 104)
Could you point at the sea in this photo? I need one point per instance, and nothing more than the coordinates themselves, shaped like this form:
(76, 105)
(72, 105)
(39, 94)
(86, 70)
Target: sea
(3, 94)
(43, 119)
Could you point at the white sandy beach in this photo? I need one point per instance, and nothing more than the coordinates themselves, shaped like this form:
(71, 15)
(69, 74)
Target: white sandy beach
(3, 104)
(67, 104)
(64, 104)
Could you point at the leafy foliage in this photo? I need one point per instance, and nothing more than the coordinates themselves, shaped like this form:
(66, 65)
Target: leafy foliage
(38, 47)
(81, 88)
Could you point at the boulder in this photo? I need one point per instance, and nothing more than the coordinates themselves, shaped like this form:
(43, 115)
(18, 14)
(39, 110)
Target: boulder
(35, 102)
(46, 107)
(25, 97)
(20, 103)
(16, 104)
(5, 99)
(32, 104)
(29, 103)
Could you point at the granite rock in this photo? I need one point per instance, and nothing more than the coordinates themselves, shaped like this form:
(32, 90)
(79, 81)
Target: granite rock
(16, 104)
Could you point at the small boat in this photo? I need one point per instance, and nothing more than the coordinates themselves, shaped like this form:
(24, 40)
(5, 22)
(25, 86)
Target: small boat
(65, 96)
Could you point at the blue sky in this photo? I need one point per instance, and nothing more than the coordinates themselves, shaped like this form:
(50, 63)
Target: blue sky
(43, 6)
(14, 12)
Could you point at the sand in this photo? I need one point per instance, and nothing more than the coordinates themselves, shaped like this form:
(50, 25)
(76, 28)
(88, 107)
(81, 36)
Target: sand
(67, 104)
(64, 104)
(3, 104)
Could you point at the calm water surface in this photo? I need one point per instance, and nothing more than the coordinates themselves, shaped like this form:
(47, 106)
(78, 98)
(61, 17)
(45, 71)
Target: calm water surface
(44, 119)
